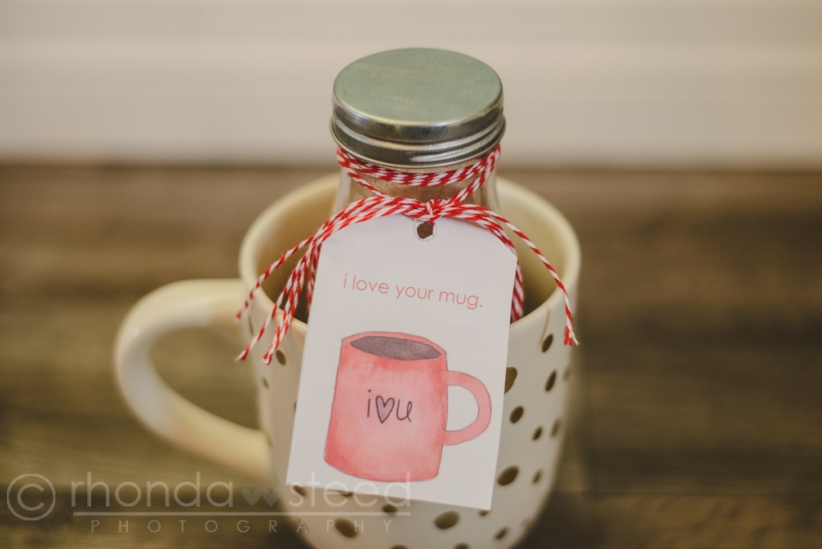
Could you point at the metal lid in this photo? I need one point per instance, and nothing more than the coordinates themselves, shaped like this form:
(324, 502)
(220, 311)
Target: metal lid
(417, 107)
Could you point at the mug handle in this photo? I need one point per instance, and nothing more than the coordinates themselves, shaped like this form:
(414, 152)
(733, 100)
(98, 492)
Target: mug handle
(480, 393)
(209, 303)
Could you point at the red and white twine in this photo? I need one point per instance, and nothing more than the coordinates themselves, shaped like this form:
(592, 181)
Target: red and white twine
(381, 205)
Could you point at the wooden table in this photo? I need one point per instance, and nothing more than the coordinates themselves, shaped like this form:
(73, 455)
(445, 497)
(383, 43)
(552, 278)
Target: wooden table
(697, 413)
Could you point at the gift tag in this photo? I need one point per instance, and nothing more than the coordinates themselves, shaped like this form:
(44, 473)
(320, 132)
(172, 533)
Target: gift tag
(403, 372)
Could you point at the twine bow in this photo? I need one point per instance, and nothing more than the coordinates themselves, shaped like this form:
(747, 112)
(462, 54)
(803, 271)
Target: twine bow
(380, 205)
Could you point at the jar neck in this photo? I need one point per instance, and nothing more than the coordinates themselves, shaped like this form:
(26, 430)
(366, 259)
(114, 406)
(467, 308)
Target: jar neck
(350, 191)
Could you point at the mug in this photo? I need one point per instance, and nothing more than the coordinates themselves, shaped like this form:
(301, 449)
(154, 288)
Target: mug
(383, 380)
(536, 384)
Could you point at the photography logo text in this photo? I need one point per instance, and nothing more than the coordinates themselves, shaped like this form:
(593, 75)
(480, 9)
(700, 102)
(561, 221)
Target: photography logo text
(157, 505)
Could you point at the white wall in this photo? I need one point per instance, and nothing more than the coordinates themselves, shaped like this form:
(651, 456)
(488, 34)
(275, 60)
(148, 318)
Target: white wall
(611, 82)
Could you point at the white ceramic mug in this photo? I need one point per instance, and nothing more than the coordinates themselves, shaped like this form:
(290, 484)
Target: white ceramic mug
(535, 398)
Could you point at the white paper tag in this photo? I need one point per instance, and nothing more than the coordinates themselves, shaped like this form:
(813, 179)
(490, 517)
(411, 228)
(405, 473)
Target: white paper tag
(403, 371)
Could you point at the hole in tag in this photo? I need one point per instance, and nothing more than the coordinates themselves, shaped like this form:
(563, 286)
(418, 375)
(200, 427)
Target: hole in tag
(425, 230)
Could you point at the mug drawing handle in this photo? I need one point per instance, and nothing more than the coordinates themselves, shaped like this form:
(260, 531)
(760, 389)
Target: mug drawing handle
(210, 303)
(480, 393)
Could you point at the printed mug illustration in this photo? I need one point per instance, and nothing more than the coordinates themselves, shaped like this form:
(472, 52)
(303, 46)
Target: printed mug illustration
(390, 408)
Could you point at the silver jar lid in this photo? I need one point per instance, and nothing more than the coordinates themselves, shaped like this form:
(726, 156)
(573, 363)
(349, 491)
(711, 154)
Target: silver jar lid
(417, 107)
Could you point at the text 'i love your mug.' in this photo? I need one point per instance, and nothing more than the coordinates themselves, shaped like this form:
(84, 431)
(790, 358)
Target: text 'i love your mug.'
(390, 408)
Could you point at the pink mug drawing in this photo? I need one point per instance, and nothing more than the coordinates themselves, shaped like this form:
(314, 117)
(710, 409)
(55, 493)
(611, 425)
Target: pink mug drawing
(390, 408)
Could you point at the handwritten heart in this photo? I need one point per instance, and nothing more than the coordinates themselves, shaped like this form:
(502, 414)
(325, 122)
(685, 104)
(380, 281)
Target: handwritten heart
(384, 407)
(252, 497)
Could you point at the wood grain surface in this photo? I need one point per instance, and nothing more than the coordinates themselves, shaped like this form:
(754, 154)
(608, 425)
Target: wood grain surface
(697, 411)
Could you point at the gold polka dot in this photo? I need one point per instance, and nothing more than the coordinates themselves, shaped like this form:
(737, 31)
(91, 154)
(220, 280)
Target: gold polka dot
(567, 374)
(516, 414)
(537, 477)
(347, 494)
(501, 533)
(399, 546)
(447, 520)
(556, 427)
(280, 357)
(510, 376)
(484, 513)
(346, 528)
(547, 342)
(462, 545)
(265, 382)
(508, 475)
(551, 381)
(268, 439)
(299, 490)
(390, 510)
(537, 433)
